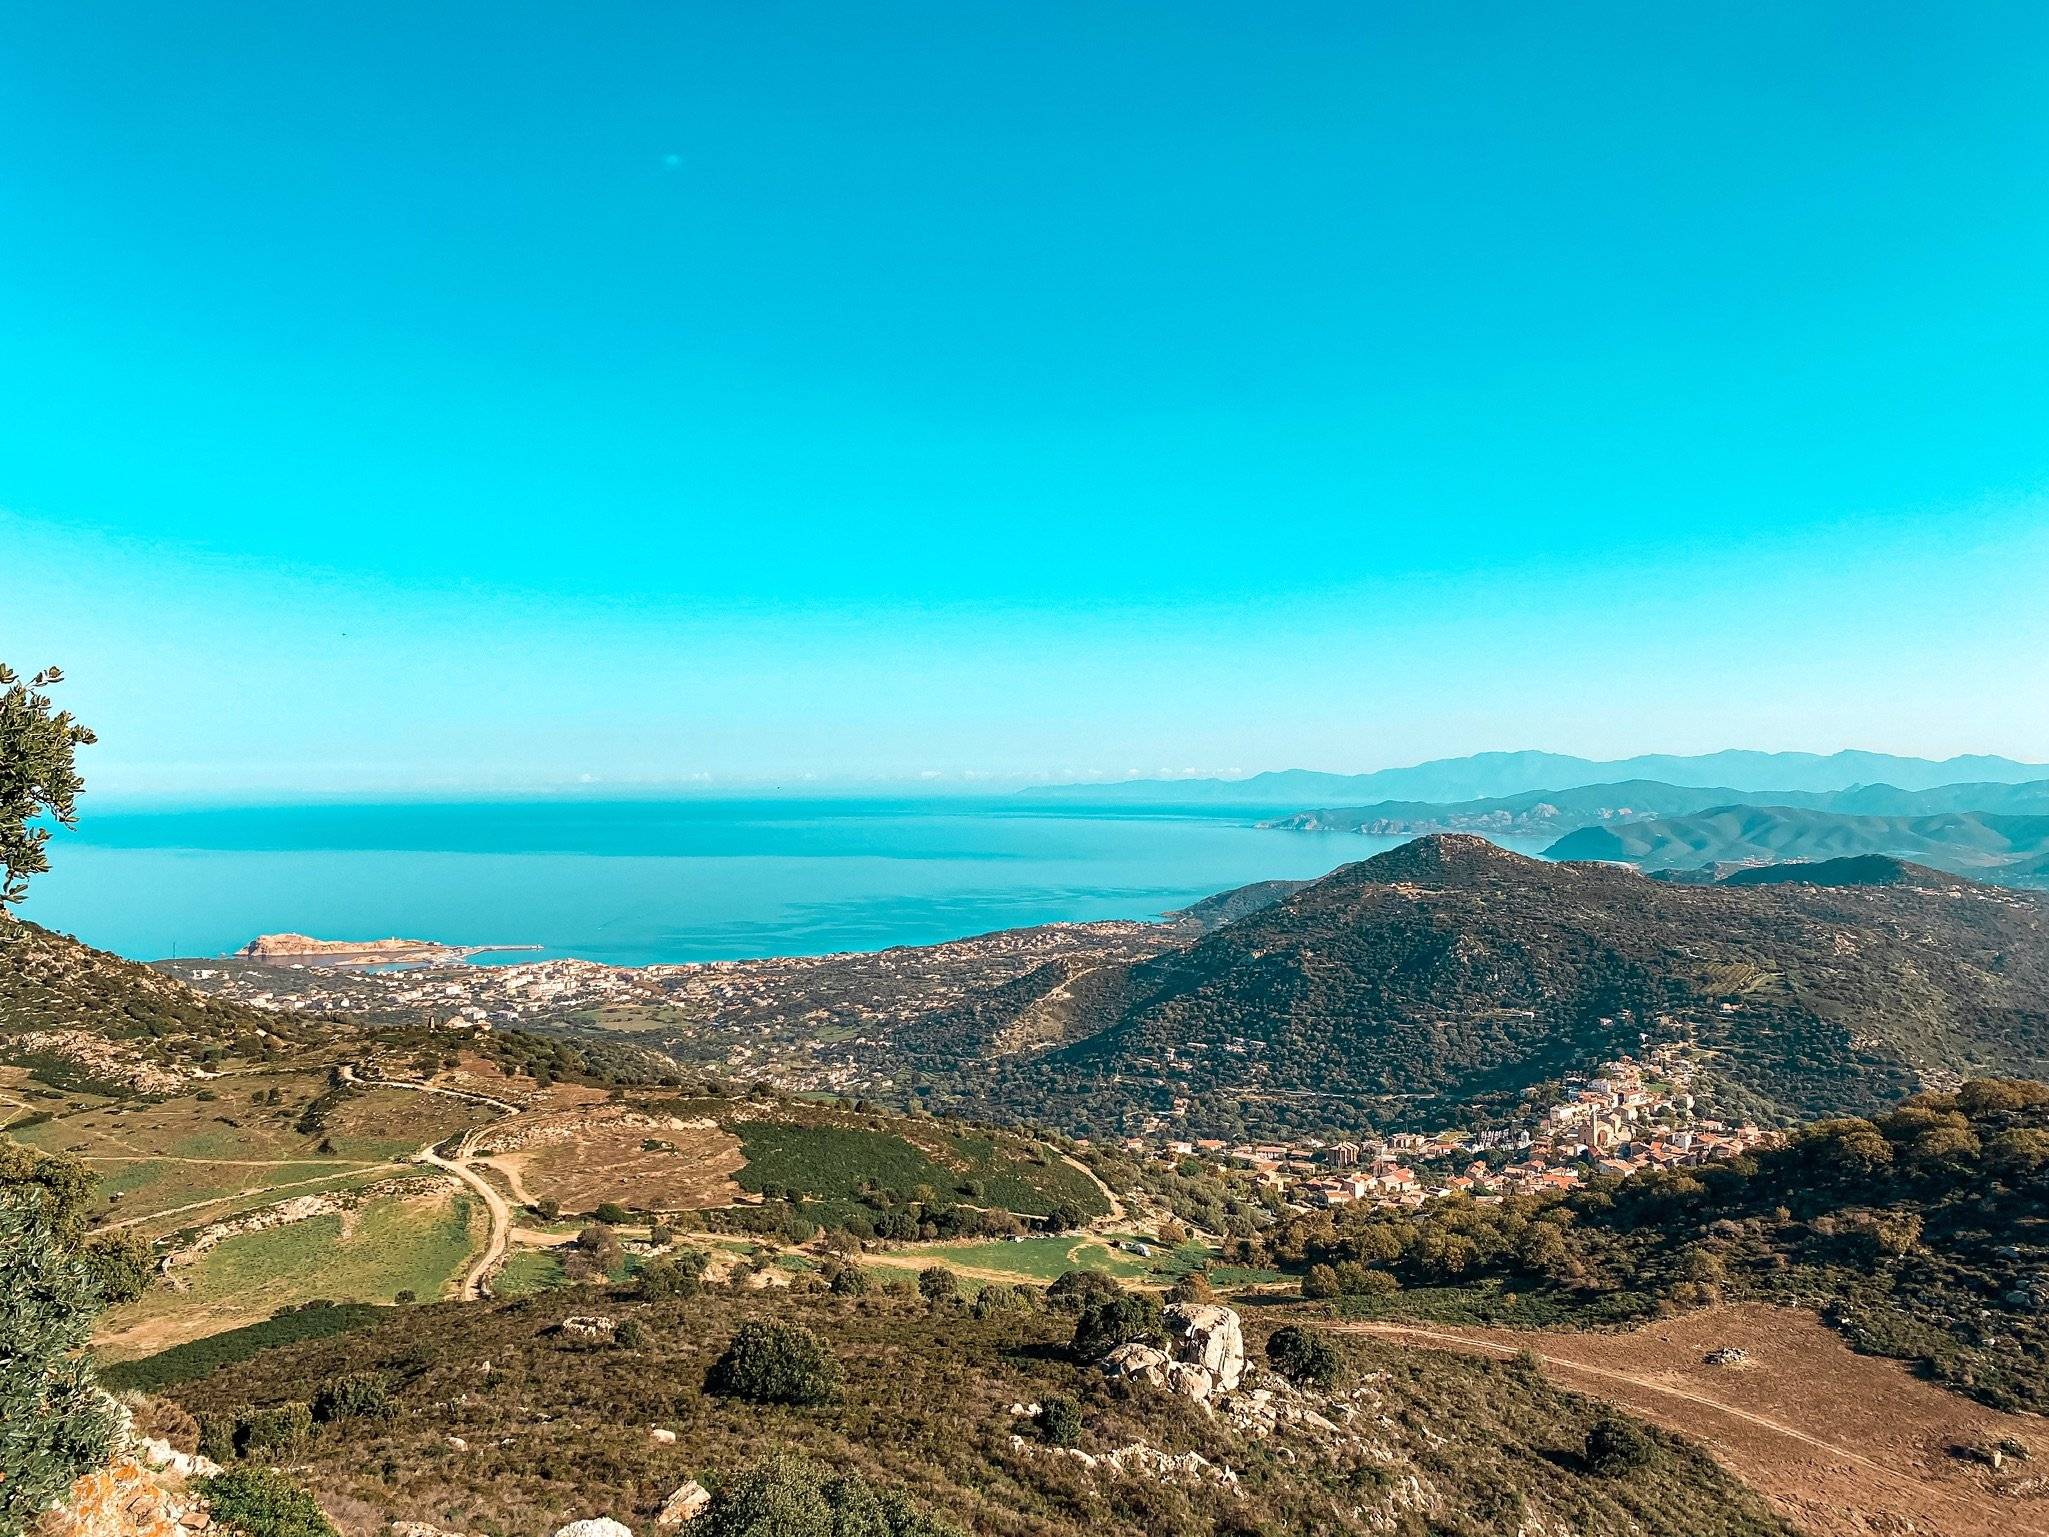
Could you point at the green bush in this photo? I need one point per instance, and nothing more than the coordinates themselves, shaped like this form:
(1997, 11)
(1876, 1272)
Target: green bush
(275, 1433)
(1060, 1420)
(674, 1275)
(353, 1396)
(1616, 1446)
(1125, 1319)
(771, 1363)
(262, 1502)
(937, 1284)
(1305, 1357)
(790, 1497)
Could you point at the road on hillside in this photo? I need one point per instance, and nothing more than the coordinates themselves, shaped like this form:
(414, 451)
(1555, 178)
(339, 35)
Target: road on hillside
(476, 1281)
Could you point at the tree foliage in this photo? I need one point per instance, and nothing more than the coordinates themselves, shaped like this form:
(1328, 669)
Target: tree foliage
(55, 1422)
(787, 1496)
(773, 1363)
(38, 774)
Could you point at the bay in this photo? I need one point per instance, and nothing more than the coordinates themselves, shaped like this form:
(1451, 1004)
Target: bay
(642, 881)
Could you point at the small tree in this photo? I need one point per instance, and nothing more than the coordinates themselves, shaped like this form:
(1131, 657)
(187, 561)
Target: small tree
(1059, 1420)
(771, 1363)
(55, 1423)
(680, 1274)
(354, 1396)
(38, 775)
(937, 1284)
(788, 1496)
(1305, 1357)
(1616, 1446)
(1129, 1318)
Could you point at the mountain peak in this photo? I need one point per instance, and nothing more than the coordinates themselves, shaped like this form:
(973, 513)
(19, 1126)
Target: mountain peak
(1438, 855)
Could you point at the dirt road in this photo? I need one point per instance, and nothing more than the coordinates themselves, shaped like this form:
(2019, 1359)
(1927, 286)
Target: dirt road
(1844, 1445)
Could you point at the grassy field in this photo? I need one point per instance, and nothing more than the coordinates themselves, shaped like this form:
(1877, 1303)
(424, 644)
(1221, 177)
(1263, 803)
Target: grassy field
(527, 1271)
(222, 1149)
(393, 1244)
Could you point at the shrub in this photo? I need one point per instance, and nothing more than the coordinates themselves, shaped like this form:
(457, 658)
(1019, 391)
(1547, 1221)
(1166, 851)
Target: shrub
(1060, 1420)
(633, 1335)
(1320, 1282)
(771, 1363)
(611, 1213)
(674, 1275)
(262, 1502)
(1125, 1319)
(1616, 1446)
(790, 1497)
(275, 1433)
(1305, 1357)
(998, 1298)
(547, 1208)
(848, 1281)
(1193, 1287)
(354, 1396)
(1077, 1288)
(937, 1284)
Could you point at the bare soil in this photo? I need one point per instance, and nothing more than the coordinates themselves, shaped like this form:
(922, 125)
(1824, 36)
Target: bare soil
(1844, 1445)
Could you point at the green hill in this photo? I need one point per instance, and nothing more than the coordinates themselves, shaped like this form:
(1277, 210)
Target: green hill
(1987, 845)
(1552, 813)
(1450, 974)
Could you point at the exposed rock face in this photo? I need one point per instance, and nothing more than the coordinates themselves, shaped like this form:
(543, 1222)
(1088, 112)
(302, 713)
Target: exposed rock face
(595, 1526)
(1138, 1363)
(126, 1500)
(1208, 1335)
(1208, 1353)
(588, 1327)
(690, 1501)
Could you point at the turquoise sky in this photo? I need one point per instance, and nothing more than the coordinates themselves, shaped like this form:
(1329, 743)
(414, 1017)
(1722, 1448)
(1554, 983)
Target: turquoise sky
(515, 395)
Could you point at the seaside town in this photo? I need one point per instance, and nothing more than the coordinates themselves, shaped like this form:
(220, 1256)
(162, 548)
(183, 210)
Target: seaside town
(1626, 1116)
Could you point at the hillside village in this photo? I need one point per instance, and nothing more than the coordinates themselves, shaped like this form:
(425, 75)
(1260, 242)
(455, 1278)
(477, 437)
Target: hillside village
(1625, 1117)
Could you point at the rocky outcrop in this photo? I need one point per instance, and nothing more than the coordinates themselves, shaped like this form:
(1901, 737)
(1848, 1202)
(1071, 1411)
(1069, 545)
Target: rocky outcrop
(588, 1327)
(690, 1500)
(1206, 1355)
(1208, 1335)
(126, 1499)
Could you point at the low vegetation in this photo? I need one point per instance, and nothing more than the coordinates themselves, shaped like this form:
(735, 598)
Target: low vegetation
(1921, 1234)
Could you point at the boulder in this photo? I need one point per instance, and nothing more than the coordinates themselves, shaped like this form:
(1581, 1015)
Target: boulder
(595, 1526)
(1190, 1381)
(690, 1501)
(587, 1327)
(1208, 1335)
(1138, 1363)
(660, 1436)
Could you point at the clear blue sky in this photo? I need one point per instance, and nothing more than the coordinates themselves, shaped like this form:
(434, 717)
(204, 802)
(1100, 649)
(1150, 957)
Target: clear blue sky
(504, 394)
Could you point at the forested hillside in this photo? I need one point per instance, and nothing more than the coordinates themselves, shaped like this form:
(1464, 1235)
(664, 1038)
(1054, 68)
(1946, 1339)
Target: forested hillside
(1418, 987)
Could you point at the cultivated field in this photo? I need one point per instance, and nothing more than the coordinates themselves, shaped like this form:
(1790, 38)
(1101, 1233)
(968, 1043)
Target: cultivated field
(414, 1242)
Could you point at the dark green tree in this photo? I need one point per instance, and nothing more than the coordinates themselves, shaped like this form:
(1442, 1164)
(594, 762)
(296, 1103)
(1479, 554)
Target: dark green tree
(38, 774)
(55, 1423)
(1129, 1318)
(786, 1496)
(771, 1363)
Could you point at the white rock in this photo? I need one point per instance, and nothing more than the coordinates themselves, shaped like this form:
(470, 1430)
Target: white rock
(595, 1526)
(689, 1501)
(1208, 1335)
(665, 1437)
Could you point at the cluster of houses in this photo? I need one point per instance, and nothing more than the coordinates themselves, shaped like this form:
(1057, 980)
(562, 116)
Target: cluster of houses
(1629, 1116)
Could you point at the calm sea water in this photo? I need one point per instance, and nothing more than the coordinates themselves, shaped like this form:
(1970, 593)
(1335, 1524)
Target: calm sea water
(636, 882)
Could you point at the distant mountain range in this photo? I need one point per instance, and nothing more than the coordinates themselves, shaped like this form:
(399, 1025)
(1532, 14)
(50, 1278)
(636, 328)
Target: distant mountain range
(2008, 849)
(1449, 974)
(1539, 813)
(1495, 774)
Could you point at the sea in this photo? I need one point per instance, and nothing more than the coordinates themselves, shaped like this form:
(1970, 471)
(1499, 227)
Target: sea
(638, 882)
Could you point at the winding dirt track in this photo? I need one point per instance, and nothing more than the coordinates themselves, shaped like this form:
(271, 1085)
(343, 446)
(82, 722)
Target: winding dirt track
(1842, 1444)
